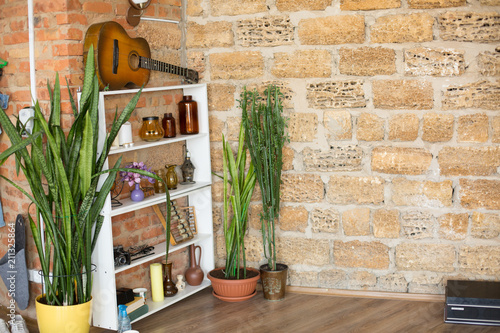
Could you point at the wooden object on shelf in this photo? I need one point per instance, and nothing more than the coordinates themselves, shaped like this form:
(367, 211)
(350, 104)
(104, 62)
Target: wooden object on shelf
(189, 214)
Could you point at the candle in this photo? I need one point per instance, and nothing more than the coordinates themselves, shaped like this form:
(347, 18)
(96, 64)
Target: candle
(156, 282)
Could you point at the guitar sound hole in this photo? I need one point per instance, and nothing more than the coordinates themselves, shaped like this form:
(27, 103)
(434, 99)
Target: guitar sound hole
(133, 61)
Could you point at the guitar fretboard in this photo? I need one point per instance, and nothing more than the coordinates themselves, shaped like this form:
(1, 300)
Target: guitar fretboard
(156, 65)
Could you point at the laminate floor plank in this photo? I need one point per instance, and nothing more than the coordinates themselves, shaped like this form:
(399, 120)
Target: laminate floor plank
(301, 313)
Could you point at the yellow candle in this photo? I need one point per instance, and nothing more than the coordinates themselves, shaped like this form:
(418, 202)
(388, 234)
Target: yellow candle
(156, 282)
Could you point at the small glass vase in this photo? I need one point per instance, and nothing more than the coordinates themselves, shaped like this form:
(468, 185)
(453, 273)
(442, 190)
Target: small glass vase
(137, 194)
(169, 288)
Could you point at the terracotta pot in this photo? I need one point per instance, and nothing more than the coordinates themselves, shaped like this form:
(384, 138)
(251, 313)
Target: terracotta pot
(234, 290)
(63, 319)
(274, 282)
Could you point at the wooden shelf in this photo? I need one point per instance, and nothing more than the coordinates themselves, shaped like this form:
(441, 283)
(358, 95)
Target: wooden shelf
(160, 250)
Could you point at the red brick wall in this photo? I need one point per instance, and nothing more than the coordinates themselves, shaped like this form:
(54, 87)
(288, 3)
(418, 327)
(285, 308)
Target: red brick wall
(60, 27)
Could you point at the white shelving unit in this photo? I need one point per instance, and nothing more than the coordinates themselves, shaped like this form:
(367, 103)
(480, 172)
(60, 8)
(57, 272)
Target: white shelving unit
(199, 195)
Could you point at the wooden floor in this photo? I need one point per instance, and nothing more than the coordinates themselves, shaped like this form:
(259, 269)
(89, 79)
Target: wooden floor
(298, 313)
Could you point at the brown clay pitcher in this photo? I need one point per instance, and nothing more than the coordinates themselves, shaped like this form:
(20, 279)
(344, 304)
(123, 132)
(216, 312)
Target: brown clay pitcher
(194, 274)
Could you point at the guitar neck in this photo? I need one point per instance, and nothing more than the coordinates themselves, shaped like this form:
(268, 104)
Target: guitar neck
(156, 65)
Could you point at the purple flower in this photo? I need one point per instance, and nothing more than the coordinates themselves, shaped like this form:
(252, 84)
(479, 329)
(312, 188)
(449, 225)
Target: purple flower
(132, 177)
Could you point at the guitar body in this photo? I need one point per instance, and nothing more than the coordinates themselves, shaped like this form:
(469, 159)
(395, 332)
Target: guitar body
(117, 56)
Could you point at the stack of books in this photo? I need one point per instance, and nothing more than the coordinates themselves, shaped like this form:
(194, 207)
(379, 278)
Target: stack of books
(136, 308)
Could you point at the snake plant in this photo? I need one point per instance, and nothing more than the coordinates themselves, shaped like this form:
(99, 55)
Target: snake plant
(238, 190)
(63, 171)
(265, 125)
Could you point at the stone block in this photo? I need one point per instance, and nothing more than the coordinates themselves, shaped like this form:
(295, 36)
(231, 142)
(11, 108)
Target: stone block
(217, 218)
(418, 193)
(302, 127)
(220, 96)
(218, 191)
(302, 64)
(490, 2)
(362, 280)
(216, 128)
(369, 4)
(480, 193)
(469, 27)
(417, 224)
(336, 94)
(237, 65)
(489, 63)
(293, 218)
(355, 190)
(303, 251)
(394, 282)
(425, 257)
(453, 226)
(483, 260)
(233, 128)
(216, 160)
(427, 283)
(469, 161)
(485, 225)
(338, 125)
(495, 126)
(410, 28)
(473, 128)
(428, 4)
(356, 222)
(374, 255)
(302, 188)
(298, 5)
(197, 61)
(386, 223)
(333, 278)
(232, 8)
(437, 127)
(403, 94)
(210, 35)
(284, 89)
(403, 127)
(303, 279)
(480, 95)
(347, 158)
(253, 248)
(265, 31)
(254, 215)
(370, 127)
(332, 30)
(399, 160)
(288, 155)
(194, 8)
(422, 61)
(367, 61)
(325, 220)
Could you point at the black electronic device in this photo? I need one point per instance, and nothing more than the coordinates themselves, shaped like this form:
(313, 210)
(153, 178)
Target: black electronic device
(472, 302)
(121, 256)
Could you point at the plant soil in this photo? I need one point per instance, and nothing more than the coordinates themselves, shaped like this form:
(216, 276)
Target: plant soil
(219, 274)
(279, 267)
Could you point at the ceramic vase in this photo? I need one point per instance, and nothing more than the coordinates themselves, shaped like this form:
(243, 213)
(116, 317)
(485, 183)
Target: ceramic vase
(169, 288)
(194, 274)
(137, 194)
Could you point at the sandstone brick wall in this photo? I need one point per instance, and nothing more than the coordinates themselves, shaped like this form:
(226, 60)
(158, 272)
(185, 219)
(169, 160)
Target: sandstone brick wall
(60, 28)
(392, 173)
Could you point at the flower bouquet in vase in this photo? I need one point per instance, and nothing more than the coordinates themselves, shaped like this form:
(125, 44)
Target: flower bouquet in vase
(134, 179)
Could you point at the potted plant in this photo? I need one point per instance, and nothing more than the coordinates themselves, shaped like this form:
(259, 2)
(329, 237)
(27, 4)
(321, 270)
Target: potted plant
(63, 172)
(265, 125)
(235, 282)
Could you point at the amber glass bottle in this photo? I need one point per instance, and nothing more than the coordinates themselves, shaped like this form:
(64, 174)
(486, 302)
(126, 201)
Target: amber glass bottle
(151, 129)
(188, 116)
(168, 124)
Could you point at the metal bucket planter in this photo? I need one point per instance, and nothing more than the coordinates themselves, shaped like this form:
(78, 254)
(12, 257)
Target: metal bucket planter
(274, 282)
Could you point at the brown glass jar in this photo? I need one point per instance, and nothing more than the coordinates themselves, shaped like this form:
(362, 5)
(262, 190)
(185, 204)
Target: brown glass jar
(188, 116)
(151, 129)
(168, 124)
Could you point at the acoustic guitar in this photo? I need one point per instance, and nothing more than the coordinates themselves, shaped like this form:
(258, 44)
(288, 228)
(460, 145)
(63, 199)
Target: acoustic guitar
(122, 61)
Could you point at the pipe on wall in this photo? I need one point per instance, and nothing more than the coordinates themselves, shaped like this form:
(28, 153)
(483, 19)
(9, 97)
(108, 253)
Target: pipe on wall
(31, 31)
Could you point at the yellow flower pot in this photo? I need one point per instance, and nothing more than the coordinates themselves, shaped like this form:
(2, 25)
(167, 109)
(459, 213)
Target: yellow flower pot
(62, 319)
